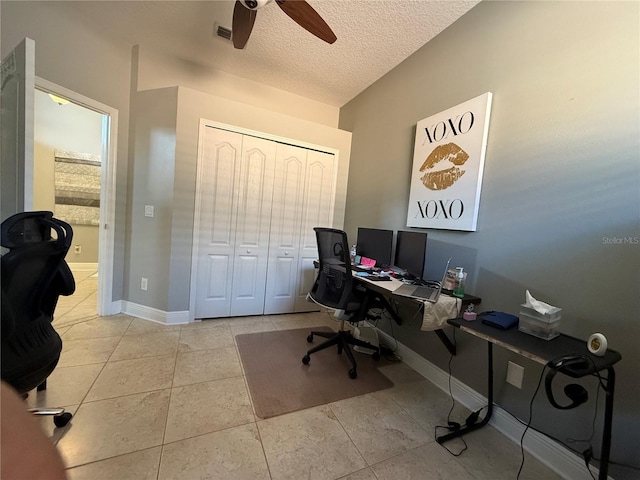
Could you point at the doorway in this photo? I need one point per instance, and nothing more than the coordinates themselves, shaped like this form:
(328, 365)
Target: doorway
(83, 150)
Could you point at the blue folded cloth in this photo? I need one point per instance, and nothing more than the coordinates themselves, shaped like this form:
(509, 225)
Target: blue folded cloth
(499, 320)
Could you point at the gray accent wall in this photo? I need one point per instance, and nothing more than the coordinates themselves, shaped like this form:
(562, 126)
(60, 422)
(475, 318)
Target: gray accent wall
(560, 204)
(152, 179)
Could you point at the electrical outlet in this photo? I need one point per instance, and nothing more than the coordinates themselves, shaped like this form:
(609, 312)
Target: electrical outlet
(77, 249)
(515, 374)
(143, 284)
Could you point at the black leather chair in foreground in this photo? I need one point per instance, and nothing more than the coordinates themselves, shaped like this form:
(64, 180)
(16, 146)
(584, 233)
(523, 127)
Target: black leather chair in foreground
(34, 275)
(336, 289)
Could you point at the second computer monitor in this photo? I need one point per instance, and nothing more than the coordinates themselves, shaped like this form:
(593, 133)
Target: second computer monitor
(411, 250)
(377, 244)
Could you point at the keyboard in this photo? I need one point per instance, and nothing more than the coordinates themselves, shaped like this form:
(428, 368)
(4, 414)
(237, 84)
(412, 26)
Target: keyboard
(425, 292)
(356, 268)
(378, 278)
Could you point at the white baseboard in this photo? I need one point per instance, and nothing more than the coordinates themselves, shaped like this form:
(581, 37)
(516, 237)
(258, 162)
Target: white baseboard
(154, 315)
(112, 308)
(561, 460)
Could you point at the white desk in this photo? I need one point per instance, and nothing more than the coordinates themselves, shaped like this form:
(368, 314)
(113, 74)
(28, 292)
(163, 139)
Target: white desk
(387, 285)
(383, 291)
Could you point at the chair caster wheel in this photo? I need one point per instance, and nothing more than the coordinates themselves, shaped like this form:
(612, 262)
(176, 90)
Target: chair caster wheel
(376, 356)
(310, 338)
(306, 359)
(353, 373)
(62, 420)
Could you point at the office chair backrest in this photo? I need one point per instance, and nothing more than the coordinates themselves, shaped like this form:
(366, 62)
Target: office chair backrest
(29, 237)
(34, 274)
(25, 228)
(334, 284)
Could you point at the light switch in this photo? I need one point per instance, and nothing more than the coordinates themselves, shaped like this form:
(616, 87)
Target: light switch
(148, 210)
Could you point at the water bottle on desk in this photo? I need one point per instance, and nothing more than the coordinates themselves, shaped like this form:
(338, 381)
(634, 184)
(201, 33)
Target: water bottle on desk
(458, 290)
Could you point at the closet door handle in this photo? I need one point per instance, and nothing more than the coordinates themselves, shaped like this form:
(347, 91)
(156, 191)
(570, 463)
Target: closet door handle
(248, 251)
(286, 253)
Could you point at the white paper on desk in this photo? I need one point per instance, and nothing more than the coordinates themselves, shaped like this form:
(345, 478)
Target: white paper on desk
(537, 305)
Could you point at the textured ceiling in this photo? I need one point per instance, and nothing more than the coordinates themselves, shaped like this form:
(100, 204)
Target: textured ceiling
(373, 37)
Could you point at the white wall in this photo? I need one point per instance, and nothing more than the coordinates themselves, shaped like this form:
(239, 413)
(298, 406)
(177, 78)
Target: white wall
(164, 175)
(157, 71)
(561, 182)
(78, 57)
(193, 106)
(76, 54)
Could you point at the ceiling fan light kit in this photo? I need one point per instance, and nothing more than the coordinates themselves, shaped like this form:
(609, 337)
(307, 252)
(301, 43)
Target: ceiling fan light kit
(244, 16)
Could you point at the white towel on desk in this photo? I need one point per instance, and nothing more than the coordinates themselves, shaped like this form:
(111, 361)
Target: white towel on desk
(435, 315)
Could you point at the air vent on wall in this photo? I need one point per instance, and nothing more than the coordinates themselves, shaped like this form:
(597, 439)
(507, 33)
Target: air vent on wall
(222, 32)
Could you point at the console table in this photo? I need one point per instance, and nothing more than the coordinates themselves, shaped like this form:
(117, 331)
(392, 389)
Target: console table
(383, 290)
(543, 351)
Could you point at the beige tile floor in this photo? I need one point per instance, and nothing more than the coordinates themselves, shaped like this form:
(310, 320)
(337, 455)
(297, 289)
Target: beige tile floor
(171, 402)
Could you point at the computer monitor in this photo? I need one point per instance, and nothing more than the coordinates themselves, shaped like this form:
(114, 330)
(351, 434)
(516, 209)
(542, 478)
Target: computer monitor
(377, 244)
(411, 250)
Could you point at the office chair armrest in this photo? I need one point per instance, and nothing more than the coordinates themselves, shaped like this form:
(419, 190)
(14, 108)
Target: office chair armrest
(65, 281)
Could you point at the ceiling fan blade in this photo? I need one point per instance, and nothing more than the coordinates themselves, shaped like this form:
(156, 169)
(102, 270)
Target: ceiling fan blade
(304, 15)
(243, 20)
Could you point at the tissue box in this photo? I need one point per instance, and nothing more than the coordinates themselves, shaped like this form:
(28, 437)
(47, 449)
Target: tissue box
(539, 325)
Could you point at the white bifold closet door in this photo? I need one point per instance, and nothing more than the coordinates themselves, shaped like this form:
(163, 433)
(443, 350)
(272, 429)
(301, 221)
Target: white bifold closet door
(259, 202)
(302, 199)
(236, 189)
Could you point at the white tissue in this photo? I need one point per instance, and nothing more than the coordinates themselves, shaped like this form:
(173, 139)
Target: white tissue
(537, 305)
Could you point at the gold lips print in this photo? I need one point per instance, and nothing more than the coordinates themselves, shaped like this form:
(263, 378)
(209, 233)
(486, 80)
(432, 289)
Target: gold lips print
(442, 179)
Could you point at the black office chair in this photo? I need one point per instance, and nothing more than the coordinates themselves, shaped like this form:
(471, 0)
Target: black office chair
(34, 275)
(335, 289)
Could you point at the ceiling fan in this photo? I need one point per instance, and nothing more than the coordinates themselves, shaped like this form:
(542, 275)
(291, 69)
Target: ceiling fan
(244, 16)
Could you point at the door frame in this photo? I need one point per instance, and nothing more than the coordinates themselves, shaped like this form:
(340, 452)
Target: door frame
(17, 165)
(106, 236)
(204, 123)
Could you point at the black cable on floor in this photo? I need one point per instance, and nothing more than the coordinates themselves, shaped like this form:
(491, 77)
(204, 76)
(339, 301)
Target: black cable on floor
(451, 426)
(529, 422)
